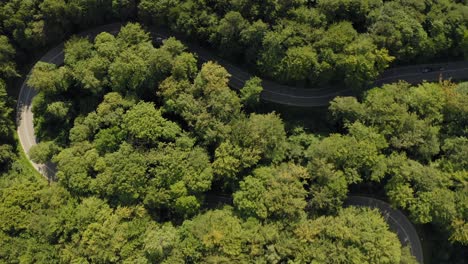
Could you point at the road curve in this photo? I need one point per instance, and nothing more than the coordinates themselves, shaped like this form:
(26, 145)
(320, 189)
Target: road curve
(319, 97)
(24, 115)
(396, 220)
(273, 92)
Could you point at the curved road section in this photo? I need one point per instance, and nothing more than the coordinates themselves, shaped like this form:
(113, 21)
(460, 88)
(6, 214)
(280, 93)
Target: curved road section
(318, 97)
(396, 220)
(272, 92)
(24, 118)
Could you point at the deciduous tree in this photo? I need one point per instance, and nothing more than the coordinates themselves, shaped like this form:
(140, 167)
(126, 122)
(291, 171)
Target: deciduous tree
(274, 193)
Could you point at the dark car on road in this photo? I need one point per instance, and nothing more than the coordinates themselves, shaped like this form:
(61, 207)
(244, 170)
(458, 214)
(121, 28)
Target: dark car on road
(427, 69)
(159, 40)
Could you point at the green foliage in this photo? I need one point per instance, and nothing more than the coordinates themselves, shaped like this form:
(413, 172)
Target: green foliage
(308, 16)
(413, 120)
(355, 11)
(272, 52)
(353, 236)
(228, 33)
(337, 37)
(44, 151)
(275, 193)
(141, 159)
(251, 38)
(340, 160)
(49, 115)
(220, 236)
(214, 233)
(465, 43)
(128, 71)
(264, 32)
(156, 12)
(357, 155)
(363, 62)
(146, 125)
(411, 178)
(455, 152)
(173, 46)
(106, 140)
(258, 138)
(263, 134)
(31, 219)
(87, 68)
(177, 175)
(122, 181)
(231, 159)
(77, 49)
(409, 118)
(136, 156)
(58, 111)
(127, 63)
(297, 144)
(408, 30)
(429, 194)
(211, 87)
(455, 111)
(299, 63)
(112, 236)
(160, 241)
(184, 66)
(250, 93)
(192, 101)
(328, 187)
(47, 78)
(7, 155)
(408, 36)
(7, 53)
(75, 165)
(6, 123)
(110, 111)
(132, 34)
(105, 45)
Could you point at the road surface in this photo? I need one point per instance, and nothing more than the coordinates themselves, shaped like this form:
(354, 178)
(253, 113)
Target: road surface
(272, 92)
(24, 115)
(318, 97)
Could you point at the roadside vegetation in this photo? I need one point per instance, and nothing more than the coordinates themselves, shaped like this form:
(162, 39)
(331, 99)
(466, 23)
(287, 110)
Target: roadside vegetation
(159, 161)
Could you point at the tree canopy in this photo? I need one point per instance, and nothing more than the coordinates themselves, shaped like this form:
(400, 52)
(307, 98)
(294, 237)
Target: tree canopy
(159, 161)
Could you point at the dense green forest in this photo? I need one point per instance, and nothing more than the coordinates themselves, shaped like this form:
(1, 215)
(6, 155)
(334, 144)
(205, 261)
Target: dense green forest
(159, 161)
(315, 42)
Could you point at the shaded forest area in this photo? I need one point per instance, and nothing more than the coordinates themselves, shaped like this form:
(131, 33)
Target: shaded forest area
(143, 137)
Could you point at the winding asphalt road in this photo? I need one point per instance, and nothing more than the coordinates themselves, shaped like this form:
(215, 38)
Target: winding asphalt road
(24, 115)
(273, 92)
(319, 97)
